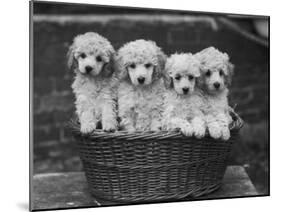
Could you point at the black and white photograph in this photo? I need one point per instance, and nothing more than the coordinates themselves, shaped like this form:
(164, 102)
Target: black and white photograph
(137, 105)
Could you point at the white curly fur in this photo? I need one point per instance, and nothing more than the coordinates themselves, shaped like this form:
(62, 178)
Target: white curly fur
(183, 109)
(216, 69)
(140, 102)
(94, 89)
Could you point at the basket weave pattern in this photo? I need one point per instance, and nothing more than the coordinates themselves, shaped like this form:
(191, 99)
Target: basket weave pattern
(152, 166)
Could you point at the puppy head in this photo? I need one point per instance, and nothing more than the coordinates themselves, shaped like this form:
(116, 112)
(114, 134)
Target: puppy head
(141, 62)
(216, 70)
(91, 55)
(182, 70)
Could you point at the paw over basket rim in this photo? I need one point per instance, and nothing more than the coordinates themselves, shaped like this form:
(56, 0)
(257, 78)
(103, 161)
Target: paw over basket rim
(74, 126)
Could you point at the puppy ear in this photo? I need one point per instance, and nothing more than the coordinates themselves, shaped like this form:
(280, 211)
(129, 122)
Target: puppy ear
(230, 71)
(109, 67)
(199, 78)
(71, 61)
(197, 69)
(162, 58)
(159, 69)
(168, 81)
(199, 82)
(121, 69)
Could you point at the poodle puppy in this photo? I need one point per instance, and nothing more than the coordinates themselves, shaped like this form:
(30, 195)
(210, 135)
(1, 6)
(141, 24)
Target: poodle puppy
(92, 57)
(183, 102)
(216, 74)
(140, 92)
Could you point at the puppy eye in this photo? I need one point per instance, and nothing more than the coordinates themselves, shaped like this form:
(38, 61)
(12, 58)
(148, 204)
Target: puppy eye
(148, 65)
(178, 77)
(83, 55)
(98, 58)
(190, 77)
(208, 73)
(221, 72)
(132, 65)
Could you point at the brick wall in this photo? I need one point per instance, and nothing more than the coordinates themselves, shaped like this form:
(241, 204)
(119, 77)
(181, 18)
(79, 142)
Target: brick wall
(54, 101)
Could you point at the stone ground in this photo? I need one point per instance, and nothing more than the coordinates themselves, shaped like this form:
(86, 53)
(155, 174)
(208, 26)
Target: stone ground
(70, 190)
(53, 106)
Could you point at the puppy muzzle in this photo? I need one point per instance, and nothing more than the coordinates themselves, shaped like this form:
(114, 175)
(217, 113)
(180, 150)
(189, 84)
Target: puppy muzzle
(217, 85)
(88, 69)
(185, 90)
(141, 80)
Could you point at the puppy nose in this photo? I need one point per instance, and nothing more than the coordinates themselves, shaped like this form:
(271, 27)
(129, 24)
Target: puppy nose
(141, 80)
(88, 69)
(185, 90)
(217, 85)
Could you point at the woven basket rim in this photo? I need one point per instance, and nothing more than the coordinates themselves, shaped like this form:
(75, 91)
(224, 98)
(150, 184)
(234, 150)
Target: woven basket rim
(74, 126)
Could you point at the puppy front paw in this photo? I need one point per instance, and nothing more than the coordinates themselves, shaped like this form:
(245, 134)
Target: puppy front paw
(87, 127)
(187, 130)
(215, 132)
(155, 125)
(130, 129)
(109, 127)
(225, 133)
(199, 131)
(155, 128)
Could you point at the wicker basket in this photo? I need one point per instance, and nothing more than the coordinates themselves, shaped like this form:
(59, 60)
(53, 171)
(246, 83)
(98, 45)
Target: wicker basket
(152, 166)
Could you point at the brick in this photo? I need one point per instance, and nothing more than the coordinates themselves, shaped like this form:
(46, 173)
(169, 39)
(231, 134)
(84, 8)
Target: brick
(46, 144)
(243, 96)
(53, 117)
(258, 130)
(73, 164)
(36, 103)
(42, 134)
(56, 153)
(250, 76)
(66, 136)
(252, 99)
(43, 86)
(40, 153)
(48, 165)
(63, 117)
(43, 119)
(253, 115)
(181, 35)
(52, 60)
(190, 32)
(64, 84)
(41, 166)
(57, 101)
